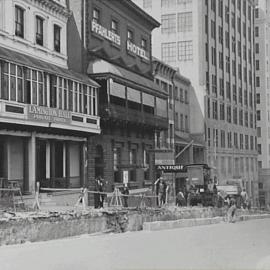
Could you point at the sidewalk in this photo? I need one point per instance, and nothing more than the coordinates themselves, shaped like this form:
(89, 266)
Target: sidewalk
(181, 223)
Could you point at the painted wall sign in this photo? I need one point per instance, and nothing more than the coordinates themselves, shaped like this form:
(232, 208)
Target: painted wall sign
(137, 50)
(53, 115)
(105, 33)
(170, 168)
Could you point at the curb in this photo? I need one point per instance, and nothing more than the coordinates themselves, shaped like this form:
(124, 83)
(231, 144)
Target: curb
(182, 223)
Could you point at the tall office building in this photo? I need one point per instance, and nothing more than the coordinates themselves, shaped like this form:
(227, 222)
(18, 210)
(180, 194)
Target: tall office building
(262, 53)
(212, 42)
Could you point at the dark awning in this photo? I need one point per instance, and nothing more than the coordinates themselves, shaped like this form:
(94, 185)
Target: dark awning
(32, 62)
(103, 69)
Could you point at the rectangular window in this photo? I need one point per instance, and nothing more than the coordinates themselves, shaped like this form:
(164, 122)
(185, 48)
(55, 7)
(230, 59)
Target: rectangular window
(258, 98)
(257, 62)
(133, 157)
(168, 52)
(256, 31)
(213, 29)
(19, 21)
(96, 15)
(235, 140)
(258, 115)
(39, 30)
(183, 2)
(168, 23)
(241, 122)
(185, 50)
(12, 88)
(147, 3)
(168, 3)
(215, 113)
(185, 22)
(57, 38)
(241, 141)
(229, 114)
(222, 111)
(114, 27)
(222, 139)
(144, 44)
(258, 81)
(130, 35)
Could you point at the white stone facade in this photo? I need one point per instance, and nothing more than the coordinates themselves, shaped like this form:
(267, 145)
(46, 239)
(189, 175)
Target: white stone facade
(218, 58)
(51, 13)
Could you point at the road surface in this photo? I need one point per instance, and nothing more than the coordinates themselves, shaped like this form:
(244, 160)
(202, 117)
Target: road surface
(243, 245)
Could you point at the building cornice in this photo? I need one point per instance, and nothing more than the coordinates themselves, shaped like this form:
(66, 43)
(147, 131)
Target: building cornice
(53, 6)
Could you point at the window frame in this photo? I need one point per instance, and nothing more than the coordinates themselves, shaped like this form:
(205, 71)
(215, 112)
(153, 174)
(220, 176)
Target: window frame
(39, 38)
(56, 42)
(19, 19)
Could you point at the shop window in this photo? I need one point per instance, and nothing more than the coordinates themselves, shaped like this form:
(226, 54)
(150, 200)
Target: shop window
(39, 30)
(19, 21)
(57, 38)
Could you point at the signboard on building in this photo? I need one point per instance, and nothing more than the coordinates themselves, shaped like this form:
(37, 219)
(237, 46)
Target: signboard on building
(105, 33)
(170, 168)
(137, 50)
(125, 177)
(53, 115)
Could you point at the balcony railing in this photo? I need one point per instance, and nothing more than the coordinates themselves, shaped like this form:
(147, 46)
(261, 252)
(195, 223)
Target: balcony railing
(133, 116)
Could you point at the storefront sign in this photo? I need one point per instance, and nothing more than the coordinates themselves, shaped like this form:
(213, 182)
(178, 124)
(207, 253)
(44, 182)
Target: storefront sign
(105, 33)
(53, 115)
(170, 168)
(137, 50)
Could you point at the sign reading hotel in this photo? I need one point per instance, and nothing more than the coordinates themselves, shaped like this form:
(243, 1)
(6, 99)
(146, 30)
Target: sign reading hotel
(105, 33)
(45, 114)
(137, 50)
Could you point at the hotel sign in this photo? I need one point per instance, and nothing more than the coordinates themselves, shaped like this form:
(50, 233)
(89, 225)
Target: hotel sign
(45, 114)
(105, 33)
(137, 50)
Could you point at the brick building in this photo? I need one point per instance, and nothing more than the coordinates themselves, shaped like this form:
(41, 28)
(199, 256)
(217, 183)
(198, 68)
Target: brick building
(114, 38)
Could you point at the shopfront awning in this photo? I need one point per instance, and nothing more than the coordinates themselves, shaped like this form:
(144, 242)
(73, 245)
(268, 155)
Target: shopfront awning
(102, 68)
(32, 62)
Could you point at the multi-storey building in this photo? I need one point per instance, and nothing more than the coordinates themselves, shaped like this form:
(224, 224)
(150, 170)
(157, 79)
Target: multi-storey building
(115, 38)
(177, 146)
(262, 79)
(47, 111)
(212, 42)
